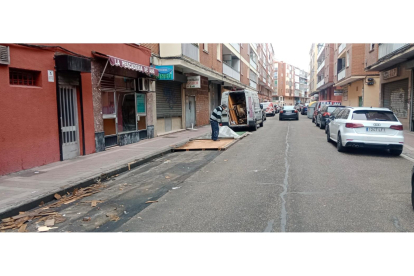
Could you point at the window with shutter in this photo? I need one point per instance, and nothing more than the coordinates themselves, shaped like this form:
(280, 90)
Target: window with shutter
(4, 55)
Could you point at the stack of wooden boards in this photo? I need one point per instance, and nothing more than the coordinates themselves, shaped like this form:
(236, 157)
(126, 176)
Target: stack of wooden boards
(237, 111)
(45, 213)
(206, 144)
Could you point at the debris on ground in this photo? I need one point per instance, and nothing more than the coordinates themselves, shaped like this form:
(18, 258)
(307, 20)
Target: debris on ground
(50, 222)
(174, 188)
(23, 228)
(87, 219)
(58, 196)
(151, 201)
(167, 177)
(45, 213)
(168, 161)
(45, 228)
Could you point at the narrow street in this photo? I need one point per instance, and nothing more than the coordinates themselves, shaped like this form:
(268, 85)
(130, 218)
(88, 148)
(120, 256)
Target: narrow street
(283, 178)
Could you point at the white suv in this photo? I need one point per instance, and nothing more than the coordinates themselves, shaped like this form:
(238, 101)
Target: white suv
(364, 127)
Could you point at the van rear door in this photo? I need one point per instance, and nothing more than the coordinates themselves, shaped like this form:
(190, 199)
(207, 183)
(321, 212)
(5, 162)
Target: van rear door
(224, 100)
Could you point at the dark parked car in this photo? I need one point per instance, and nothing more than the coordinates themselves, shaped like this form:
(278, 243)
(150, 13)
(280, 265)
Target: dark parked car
(324, 113)
(412, 187)
(332, 117)
(288, 112)
(304, 110)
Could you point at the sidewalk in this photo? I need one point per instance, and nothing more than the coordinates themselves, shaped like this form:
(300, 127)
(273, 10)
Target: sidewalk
(408, 143)
(26, 189)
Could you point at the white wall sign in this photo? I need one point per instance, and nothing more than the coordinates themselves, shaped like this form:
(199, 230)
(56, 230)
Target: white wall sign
(193, 82)
(50, 76)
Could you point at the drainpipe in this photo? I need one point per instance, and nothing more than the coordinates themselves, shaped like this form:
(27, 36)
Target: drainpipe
(363, 88)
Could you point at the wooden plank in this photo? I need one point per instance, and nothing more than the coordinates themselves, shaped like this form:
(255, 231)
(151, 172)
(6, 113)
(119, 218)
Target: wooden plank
(205, 144)
(232, 113)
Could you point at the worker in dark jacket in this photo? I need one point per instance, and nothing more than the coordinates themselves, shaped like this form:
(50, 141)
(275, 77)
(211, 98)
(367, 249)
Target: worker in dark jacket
(215, 119)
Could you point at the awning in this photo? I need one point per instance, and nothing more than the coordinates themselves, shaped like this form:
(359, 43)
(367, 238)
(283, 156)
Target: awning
(119, 62)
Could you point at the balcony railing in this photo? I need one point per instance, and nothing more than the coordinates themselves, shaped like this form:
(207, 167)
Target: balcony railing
(322, 50)
(387, 48)
(321, 66)
(320, 83)
(236, 46)
(341, 74)
(254, 46)
(341, 47)
(190, 50)
(253, 84)
(231, 72)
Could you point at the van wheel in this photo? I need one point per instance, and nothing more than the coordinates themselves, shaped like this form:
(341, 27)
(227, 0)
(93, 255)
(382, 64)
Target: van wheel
(261, 124)
(255, 126)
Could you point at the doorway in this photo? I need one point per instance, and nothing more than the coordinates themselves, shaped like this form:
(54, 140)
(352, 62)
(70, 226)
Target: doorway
(69, 122)
(190, 112)
(360, 101)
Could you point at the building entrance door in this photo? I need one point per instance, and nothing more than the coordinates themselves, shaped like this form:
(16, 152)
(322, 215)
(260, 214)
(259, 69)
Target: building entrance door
(190, 112)
(69, 122)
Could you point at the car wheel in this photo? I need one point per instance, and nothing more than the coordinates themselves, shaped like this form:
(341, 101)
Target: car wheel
(313, 120)
(297, 119)
(261, 124)
(339, 146)
(396, 152)
(280, 119)
(316, 123)
(328, 135)
(321, 126)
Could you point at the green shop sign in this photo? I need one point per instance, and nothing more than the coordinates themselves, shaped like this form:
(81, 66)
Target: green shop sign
(166, 72)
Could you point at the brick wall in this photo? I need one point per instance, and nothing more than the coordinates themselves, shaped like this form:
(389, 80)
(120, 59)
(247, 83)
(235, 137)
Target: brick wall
(202, 102)
(244, 51)
(209, 58)
(243, 73)
(357, 59)
(154, 47)
(329, 63)
(370, 56)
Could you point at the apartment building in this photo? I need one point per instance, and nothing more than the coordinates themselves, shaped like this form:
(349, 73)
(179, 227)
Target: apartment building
(292, 83)
(313, 70)
(324, 80)
(356, 86)
(201, 73)
(395, 64)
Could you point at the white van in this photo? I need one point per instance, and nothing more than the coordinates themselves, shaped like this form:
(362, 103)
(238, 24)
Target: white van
(243, 109)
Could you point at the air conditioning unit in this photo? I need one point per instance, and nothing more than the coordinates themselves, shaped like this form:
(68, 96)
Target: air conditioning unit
(4, 55)
(143, 84)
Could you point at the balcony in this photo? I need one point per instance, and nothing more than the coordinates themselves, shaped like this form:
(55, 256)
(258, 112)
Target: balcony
(253, 64)
(341, 74)
(227, 70)
(253, 84)
(321, 65)
(236, 46)
(190, 50)
(341, 47)
(387, 48)
(321, 50)
(320, 83)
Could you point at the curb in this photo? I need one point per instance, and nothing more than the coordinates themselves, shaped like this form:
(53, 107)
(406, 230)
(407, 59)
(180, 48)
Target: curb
(33, 203)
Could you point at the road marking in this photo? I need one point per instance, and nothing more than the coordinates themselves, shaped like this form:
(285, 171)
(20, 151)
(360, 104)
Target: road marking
(269, 226)
(408, 147)
(283, 215)
(407, 157)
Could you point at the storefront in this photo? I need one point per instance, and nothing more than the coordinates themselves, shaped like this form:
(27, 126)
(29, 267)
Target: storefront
(124, 91)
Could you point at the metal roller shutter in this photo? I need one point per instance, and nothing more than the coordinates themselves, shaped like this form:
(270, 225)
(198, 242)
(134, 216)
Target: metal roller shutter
(396, 97)
(168, 99)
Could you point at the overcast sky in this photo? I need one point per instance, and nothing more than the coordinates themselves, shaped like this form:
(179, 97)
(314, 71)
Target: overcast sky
(296, 54)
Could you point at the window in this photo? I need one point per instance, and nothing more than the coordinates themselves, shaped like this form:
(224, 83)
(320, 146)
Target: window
(205, 47)
(141, 111)
(347, 59)
(24, 77)
(126, 111)
(368, 115)
(218, 51)
(371, 46)
(345, 114)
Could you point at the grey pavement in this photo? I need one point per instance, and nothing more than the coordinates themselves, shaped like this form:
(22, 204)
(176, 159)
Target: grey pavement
(27, 186)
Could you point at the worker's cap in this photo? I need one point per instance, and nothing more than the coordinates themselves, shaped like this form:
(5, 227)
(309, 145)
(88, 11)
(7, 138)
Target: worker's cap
(224, 105)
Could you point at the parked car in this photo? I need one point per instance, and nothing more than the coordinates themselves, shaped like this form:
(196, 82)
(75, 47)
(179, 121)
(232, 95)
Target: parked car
(288, 112)
(263, 112)
(277, 108)
(324, 113)
(269, 108)
(304, 110)
(364, 127)
(311, 108)
(333, 115)
(319, 106)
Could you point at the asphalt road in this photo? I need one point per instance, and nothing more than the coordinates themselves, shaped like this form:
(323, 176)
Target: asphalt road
(285, 177)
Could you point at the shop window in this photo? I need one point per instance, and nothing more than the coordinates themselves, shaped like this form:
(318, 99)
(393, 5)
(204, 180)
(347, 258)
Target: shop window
(24, 77)
(126, 112)
(108, 104)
